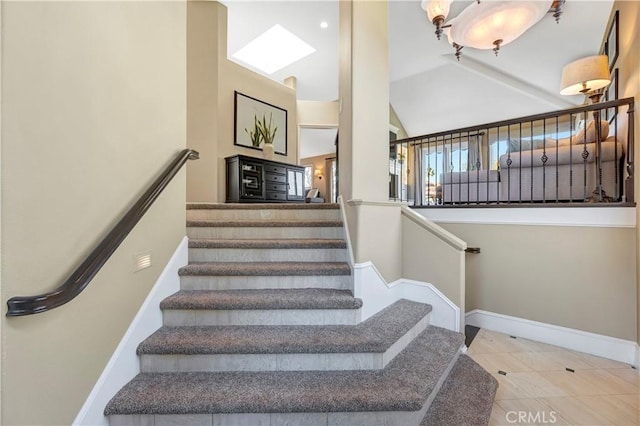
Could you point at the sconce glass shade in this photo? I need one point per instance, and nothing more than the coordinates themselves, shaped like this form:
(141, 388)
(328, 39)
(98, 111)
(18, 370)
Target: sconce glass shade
(435, 8)
(481, 25)
(585, 75)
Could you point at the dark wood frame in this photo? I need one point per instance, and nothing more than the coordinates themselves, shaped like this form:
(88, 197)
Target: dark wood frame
(611, 44)
(239, 136)
(610, 94)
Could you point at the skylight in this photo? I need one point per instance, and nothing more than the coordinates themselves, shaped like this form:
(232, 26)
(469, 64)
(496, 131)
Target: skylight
(273, 50)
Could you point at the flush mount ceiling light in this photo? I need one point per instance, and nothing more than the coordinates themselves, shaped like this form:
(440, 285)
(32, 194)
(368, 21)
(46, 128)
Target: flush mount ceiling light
(488, 24)
(273, 50)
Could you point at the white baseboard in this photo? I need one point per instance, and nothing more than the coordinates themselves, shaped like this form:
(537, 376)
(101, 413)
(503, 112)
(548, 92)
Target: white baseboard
(637, 363)
(377, 294)
(124, 364)
(621, 350)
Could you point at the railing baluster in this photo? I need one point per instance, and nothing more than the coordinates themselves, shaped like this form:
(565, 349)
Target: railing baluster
(557, 162)
(531, 168)
(616, 165)
(629, 195)
(544, 162)
(585, 155)
(571, 122)
(520, 168)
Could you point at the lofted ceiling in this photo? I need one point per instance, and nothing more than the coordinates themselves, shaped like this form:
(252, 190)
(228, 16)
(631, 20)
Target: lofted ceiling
(429, 90)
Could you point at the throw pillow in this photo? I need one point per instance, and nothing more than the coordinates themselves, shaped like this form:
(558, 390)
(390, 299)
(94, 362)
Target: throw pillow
(587, 135)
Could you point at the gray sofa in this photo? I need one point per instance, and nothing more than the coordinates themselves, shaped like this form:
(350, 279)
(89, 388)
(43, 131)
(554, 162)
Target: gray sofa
(565, 174)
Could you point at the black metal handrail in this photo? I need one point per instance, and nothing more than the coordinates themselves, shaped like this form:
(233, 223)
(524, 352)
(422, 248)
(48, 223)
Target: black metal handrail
(82, 276)
(536, 117)
(524, 161)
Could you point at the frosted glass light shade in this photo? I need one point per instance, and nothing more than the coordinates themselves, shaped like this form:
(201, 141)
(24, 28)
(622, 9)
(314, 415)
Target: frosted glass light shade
(481, 24)
(585, 75)
(436, 8)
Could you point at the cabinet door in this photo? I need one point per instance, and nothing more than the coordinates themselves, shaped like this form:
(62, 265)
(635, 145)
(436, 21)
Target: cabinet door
(252, 180)
(295, 184)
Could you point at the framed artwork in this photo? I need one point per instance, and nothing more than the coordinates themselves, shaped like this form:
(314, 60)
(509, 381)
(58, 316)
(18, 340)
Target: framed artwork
(610, 94)
(247, 112)
(611, 44)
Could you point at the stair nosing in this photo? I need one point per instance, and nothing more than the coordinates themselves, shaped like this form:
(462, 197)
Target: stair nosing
(254, 299)
(406, 384)
(272, 243)
(266, 269)
(259, 339)
(444, 406)
(272, 223)
(263, 206)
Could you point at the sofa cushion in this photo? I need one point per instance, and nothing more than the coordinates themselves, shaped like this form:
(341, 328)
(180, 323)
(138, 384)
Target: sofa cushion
(472, 176)
(567, 154)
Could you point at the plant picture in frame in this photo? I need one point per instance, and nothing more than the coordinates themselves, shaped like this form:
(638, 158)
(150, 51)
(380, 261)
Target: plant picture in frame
(254, 118)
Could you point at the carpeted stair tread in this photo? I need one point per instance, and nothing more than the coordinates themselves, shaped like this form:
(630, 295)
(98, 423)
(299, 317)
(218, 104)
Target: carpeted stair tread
(404, 385)
(265, 269)
(280, 223)
(263, 206)
(375, 335)
(306, 298)
(286, 243)
(466, 397)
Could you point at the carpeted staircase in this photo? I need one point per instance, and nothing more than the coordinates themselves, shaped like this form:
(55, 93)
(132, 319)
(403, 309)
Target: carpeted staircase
(265, 331)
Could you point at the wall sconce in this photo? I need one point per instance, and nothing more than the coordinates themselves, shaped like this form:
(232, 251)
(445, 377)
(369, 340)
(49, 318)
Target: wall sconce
(318, 173)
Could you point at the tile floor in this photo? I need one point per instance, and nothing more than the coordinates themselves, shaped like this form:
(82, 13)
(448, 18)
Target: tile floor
(537, 388)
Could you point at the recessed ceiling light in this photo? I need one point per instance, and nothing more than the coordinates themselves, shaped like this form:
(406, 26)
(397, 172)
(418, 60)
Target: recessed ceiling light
(273, 50)
(324, 24)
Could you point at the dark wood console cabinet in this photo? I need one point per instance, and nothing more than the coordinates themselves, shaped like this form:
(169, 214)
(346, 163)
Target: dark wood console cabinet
(252, 180)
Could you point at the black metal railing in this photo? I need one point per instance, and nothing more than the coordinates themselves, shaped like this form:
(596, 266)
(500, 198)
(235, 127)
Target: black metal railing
(572, 157)
(82, 276)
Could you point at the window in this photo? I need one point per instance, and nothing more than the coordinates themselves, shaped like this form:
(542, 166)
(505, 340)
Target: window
(308, 177)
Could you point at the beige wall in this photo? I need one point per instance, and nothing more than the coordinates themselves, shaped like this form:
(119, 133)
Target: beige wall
(374, 224)
(376, 235)
(364, 99)
(318, 114)
(204, 47)
(628, 64)
(576, 277)
(426, 257)
(212, 82)
(93, 107)
(395, 121)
